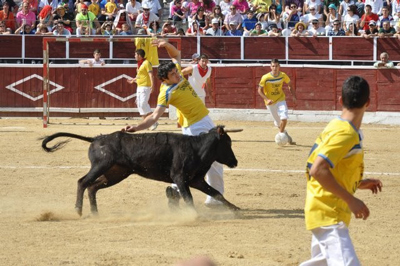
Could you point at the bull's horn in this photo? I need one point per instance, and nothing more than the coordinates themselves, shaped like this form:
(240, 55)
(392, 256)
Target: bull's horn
(233, 130)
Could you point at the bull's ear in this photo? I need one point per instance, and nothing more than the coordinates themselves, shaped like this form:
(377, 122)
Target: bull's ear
(220, 130)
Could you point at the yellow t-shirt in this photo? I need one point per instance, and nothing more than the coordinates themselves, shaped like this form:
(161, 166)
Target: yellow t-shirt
(110, 7)
(273, 86)
(263, 4)
(142, 75)
(340, 144)
(190, 107)
(94, 8)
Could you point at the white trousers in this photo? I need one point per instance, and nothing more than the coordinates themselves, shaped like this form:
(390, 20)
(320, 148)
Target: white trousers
(214, 176)
(279, 111)
(142, 100)
(332, 246)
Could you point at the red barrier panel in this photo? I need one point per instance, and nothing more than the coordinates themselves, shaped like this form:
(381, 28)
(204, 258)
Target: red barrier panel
(309, 48)
(265, 47)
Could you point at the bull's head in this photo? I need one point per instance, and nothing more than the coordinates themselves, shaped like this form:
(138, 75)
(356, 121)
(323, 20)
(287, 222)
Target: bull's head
(225, 153)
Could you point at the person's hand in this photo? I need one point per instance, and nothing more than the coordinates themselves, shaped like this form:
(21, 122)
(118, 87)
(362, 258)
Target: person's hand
(359, 209)
(374, 185)
(269, 102)
(159, 42)
(128, 129)
(131, 81)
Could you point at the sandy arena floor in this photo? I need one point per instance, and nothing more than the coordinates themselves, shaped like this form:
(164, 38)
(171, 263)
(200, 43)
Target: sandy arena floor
(135, 226)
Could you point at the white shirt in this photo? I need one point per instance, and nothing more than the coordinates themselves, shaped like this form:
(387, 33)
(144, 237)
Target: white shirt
(133, 9)
(347, 19)
(139, 19)
(308, 18)
(318, 32)
(344, 6)
(376, 5)
(197, 81)
(153, 4)
(225, 7)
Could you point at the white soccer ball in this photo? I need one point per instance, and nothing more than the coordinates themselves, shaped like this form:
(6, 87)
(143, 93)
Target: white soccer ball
(281, 139)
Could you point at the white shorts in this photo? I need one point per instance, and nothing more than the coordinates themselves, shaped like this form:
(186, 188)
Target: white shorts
(279, 111)
(142, 100)
(330, 246)
(214, 176)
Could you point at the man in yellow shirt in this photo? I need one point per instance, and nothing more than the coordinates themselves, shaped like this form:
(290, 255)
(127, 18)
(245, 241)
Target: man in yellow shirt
(175, 90)
(270, 89)
(145, 85)
(335, 169)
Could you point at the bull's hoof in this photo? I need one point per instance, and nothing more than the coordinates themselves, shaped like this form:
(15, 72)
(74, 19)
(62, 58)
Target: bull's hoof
(78, 210)
(173, 198)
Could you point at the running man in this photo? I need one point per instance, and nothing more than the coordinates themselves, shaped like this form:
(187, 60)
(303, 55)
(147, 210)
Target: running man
(175, 90)
(199, 77)
(335, 169)
(270, 89)
(145, 85)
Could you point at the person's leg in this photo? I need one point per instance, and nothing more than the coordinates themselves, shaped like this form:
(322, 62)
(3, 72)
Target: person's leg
(142, 102)
(317, 258)
(273, 109)
(282, 110)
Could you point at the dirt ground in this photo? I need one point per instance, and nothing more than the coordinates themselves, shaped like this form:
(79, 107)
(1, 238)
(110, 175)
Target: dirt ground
(39, 225)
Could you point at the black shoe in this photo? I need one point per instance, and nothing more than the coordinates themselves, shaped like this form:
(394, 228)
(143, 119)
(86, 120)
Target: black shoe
(173, 197)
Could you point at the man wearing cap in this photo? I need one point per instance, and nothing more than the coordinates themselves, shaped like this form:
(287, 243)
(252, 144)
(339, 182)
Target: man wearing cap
(367, 17)
(234, 16)
(336, 30)
(144, 19)
(154, 6)
(84, 22)
(372, 30)
(234, 31)
(215, 28)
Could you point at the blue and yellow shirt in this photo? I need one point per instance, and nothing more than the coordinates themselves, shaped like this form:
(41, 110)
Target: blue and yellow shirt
(272, 86)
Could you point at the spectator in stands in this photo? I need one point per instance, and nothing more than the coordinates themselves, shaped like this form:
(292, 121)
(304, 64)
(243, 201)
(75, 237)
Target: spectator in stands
(385, 17)
(343, 7)
(367, 17)
(386, 31)
(208, 6)
(181, 32)
(316, 30)
(3, 29)
(60, 30)
(25, 29)
(274, 31)
(46, 17)
(86, 22)
(263, 19)
(133, 8)
(107, 29)
(261, 6)
(143, 19)
(351, 17)
(201, 19)
(125, 29)
(94, 7)
(7, 17)
(33, 6)
(331, 17)
(300, 30)
(154, 29)
(233, 16)
(195, 59)
(395, 8)
(242, 6)
(308, 18)
(217, 14)
(12, 6)
(258, 31)
(312, 3)
(360, 7)
(291, 18)
(192, 9)
(352, 30)
(122, 19)
(154, 6)
(233, 30)
(43, 3)
(376, 5)
(26, 15)
(64, 17)
(249, 23)
(215, 29)
(384, 62)
(78, 6)
(194, 29)
(289, 3)
(336, 30)
(225, 7)
(274, 18)
(329, 3)
(178, 12)
(372, 30)
(168, 29)
(96, 60)
(42, 29)
(110, 10)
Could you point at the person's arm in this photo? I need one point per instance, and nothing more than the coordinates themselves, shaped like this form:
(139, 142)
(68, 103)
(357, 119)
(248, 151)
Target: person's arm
(389, 65)
(187, 71)
(292, 91)
(173, 53)
(208, 89)
(261, 93)
(148, 122)
(321, 172)
(151, 76)
(374, 185)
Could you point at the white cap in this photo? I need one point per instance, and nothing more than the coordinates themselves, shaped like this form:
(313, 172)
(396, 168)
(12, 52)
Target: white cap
(145, 6)
(214, 20)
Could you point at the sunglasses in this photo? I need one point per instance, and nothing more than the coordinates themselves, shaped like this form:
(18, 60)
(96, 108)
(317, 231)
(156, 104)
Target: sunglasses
(336, 24)
(312, 9)
(315, 23)
(293, 7)
(233, 9)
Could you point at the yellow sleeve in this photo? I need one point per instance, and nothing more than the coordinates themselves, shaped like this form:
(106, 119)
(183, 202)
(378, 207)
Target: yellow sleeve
(262, 81)
(337, 147)
(286, 78)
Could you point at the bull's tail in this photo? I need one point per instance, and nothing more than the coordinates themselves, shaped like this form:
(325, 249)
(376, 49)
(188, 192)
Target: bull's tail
(61, 144)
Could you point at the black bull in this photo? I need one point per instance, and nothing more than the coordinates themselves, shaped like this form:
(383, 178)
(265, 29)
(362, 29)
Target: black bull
(168, 157)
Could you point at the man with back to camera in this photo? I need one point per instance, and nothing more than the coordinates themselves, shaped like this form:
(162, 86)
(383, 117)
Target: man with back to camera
(175, 90)
(270, 89)
(145, 85)
(199, 77)
(335, 169)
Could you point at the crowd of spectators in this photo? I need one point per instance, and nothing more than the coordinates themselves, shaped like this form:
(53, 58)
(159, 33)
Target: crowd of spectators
(273, 18)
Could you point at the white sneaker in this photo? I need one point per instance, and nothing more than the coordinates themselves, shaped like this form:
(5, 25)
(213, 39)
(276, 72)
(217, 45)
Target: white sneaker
(154, 126)
(213, 203)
